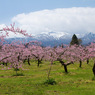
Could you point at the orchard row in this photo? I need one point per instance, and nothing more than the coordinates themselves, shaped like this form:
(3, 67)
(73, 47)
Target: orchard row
(16, 53)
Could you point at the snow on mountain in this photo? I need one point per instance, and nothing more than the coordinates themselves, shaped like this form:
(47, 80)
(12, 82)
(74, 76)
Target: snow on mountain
(54, 38)
(57, 38)
(88, 38)
(43, 37)
(50, 35)
(57, 35)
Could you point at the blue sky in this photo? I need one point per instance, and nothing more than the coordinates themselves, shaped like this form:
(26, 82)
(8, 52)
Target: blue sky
(38, 16)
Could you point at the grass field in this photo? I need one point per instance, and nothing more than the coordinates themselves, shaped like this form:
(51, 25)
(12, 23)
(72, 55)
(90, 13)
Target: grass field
(31, 81)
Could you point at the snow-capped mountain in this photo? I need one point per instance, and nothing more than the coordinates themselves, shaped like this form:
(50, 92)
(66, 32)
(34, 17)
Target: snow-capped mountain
(57, 35)
(52, 35)
(55, 39)
(88, 38)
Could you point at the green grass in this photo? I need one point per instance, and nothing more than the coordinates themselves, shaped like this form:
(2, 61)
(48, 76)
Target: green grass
(31, 80)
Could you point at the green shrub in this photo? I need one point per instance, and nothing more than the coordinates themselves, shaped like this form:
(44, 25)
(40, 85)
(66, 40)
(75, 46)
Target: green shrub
(19, 74)
(50, 81)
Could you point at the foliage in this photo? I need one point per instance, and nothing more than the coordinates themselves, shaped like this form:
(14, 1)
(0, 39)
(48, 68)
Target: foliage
(50, 81)
(74, 40)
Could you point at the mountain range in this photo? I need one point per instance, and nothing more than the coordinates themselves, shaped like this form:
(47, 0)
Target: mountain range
(55, 39)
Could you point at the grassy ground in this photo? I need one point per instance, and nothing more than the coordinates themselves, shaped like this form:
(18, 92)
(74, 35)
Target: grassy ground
(77, 82)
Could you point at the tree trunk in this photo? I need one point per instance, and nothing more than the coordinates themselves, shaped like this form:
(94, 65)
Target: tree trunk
(38, 62)
(62, 62)
(3, 63)
(29, 61)
(24, 60)
(65, 65)
(87, 60)
(18, 58)
(65, 68)
(93, 69)
(80, 63)
(6, 64)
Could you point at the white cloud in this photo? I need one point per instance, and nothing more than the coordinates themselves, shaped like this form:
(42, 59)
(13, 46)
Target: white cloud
(2, 26)
(71, 20)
